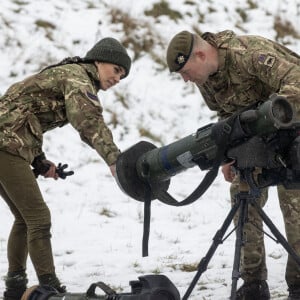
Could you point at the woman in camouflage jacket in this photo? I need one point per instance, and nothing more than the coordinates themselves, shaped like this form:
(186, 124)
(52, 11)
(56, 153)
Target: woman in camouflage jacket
(60, 94)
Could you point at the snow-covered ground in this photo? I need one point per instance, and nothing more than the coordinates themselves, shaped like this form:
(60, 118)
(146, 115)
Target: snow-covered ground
(97, 229)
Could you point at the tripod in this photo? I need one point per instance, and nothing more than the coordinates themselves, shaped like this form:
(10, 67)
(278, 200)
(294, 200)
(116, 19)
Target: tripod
(247, 195)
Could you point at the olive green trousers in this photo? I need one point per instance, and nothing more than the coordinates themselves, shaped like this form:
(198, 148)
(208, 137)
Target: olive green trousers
(30, 232)
(253, 260)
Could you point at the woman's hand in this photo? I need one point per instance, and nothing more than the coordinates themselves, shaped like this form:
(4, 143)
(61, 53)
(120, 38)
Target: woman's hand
(51, 173)
(113, 170)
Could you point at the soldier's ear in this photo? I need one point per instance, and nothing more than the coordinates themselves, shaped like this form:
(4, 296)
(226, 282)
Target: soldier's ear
(200, 54)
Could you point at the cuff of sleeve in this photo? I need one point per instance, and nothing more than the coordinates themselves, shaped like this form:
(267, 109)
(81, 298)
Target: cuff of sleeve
(42, 156)
(38, 159)
(112, 158)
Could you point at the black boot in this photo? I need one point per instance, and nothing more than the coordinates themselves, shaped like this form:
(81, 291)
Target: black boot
(294, 292)
(16, 283)
(53, 281)
(258, 290)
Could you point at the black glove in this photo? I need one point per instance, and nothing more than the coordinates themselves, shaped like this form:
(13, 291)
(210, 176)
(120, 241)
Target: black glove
(61, 173)
(41, 167)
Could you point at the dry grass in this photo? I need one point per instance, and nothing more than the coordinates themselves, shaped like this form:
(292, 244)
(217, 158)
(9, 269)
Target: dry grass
(284, 28)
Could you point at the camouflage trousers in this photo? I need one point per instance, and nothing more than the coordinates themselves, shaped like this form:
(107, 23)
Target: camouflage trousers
(30, 232)
(253, 256)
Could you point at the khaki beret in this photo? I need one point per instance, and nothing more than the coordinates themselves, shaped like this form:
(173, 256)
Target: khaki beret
(179, 50)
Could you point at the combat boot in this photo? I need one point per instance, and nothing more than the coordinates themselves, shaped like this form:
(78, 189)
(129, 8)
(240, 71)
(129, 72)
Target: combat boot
(53, 281)
(16, 283)
(294, 293)
(258, 290)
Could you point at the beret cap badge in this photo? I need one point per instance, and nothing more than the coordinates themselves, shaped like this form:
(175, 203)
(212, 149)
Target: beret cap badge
(180, 59)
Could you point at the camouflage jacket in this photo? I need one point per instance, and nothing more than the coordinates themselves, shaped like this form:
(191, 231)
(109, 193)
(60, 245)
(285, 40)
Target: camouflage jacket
(251, 68)
(52, 98)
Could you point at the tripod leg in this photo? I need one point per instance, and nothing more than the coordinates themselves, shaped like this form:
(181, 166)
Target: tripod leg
(238, 245)
(217, 240)
(281, 239)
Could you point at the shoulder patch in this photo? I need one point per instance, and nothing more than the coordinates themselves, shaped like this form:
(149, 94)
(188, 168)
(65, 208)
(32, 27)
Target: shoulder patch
(261, 58)
(267, 60)
(92, 96)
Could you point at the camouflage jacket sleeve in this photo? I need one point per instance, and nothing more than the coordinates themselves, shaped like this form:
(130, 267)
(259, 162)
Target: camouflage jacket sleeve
(84, 113)
(280, 73)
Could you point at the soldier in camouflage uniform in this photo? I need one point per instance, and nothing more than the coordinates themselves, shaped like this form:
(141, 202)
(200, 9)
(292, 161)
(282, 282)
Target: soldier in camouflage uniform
(60, 94)
(233, 72)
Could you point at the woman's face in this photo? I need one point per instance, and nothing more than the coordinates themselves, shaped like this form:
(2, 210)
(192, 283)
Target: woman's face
(109, 74)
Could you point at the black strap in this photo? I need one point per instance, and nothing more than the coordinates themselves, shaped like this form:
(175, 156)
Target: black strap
(208, 179)
(105, 288)
(166, 198)
(163, 196)
(147, 218)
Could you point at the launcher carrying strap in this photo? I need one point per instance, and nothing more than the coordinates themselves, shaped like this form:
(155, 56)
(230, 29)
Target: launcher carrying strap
(166, 198)
(162, 195)
(208, 179)
(104, 287)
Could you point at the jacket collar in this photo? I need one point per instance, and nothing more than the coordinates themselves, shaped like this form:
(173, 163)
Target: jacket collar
(92, 72)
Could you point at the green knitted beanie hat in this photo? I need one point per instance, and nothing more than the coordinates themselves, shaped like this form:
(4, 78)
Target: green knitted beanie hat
(111, 51)
(179, 50)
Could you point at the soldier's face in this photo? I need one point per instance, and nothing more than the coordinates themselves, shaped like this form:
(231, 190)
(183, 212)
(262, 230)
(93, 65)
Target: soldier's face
(109, 74)
(195, 69)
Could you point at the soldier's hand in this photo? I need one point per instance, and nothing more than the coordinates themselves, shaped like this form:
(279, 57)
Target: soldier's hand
(228, 171)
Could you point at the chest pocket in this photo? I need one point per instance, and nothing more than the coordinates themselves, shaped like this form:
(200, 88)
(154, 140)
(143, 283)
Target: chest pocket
(241, 93)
